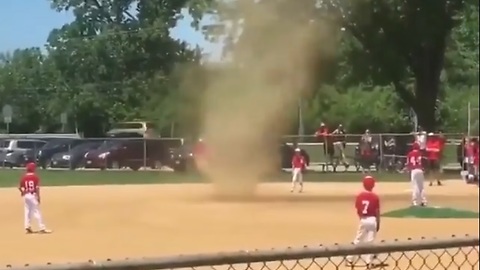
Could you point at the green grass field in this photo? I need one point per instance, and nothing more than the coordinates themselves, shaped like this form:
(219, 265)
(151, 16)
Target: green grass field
(9, 178)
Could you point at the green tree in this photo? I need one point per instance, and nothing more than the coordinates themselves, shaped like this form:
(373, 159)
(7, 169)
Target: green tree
(27, 81)
(116, 61)
(384, 42)
(462, 58)
(404, 43)
(114, 57)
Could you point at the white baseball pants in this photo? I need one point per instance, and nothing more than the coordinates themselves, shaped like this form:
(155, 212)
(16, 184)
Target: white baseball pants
(366, 233)
(418, 191)
(297, 177)
(31, 206)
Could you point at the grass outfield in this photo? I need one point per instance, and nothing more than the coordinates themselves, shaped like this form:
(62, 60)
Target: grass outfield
(9, 178)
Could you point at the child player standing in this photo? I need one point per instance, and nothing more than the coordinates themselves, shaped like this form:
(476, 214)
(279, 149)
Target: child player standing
(298, 165)
(415, 166)
(30, 190)
(367, 205)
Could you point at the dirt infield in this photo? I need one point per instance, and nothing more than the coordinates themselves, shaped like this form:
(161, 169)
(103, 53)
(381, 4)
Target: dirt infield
(153, 220)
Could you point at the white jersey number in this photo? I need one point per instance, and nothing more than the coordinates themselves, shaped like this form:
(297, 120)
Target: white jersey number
(365, 204)
(415, 161)
(30, 186)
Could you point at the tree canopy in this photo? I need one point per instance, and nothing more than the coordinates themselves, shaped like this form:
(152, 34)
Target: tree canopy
(117, 61)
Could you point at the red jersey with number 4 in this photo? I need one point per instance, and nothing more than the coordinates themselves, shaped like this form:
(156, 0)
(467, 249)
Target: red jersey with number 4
(30, 183)
(298, 161)
(367, 204)
(414, 160)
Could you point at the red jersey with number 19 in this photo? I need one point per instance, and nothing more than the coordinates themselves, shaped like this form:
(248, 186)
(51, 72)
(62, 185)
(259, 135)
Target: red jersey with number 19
(30, 183)
(367, 204)
(414, 160)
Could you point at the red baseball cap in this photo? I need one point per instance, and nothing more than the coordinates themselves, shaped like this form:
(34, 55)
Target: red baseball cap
(30, 167)
(368, 183)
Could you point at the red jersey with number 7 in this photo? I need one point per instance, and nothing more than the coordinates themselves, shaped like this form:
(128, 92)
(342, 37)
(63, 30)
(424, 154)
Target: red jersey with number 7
(30, 183)
(414, 160)
(367, 204)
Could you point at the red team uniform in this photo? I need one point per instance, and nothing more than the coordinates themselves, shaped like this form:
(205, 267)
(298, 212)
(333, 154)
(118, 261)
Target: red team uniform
(472, 159)
(415, 167)
(435, 145)
(29, 187)
(367, 205)
(298, 165)
(30, 183)
(200, 154)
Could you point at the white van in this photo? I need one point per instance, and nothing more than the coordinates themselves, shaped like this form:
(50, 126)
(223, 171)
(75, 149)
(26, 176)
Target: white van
(143, 128)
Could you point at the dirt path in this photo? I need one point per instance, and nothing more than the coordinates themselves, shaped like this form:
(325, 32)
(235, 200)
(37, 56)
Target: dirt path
(154, 220)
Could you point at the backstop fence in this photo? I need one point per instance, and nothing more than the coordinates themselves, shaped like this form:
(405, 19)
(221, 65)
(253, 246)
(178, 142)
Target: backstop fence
(453, 253)
(389, 152)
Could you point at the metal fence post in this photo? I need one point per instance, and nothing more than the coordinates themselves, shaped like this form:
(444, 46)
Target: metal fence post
(380, 150)
(144, 154)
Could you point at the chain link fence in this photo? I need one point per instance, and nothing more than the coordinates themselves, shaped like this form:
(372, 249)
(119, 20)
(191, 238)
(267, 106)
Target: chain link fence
(386, 152)
(371, 152)
(453, 253)
(91, 153)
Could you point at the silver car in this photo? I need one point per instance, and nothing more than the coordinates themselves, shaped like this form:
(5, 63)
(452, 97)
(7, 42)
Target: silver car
(13, 151)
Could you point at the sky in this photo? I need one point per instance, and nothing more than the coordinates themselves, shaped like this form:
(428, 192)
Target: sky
(27, 23)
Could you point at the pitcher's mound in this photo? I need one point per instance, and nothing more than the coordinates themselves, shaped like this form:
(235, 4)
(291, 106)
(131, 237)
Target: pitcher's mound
(431, 212)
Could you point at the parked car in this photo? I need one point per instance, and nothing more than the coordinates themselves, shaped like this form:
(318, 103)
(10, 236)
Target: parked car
(15, 151)
(142, 128)
(53, 147)
(20, 145)
(133, 154)
(19, 159)
(74, 158)
(182, 158)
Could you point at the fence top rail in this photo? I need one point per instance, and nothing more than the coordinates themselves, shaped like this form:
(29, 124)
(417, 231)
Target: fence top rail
(41, 135)
(255, 256)
(93, 138)
(376, 134)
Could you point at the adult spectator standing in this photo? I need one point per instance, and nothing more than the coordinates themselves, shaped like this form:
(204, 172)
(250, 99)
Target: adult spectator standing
(367, 137)
(461, 157)
(339, 144)
(390, 153)
(421, 140)
(434, 148)
(366, 151)
(323, 136)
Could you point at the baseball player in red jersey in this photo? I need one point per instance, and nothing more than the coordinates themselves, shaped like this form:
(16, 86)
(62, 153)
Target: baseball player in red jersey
(367, 205)
(30, 190)
(298, 165)
(415, 166)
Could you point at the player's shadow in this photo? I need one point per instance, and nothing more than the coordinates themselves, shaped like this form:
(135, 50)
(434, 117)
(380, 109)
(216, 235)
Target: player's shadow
(39, 233)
